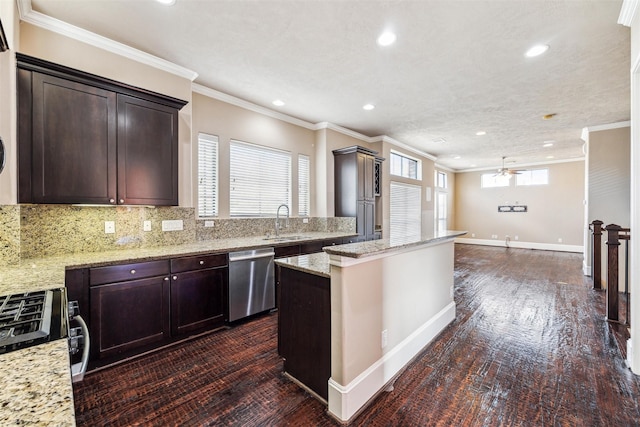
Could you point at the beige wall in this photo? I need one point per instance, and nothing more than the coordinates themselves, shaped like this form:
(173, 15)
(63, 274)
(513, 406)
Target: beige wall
(229, 122)
(8, 178)
(555, 211)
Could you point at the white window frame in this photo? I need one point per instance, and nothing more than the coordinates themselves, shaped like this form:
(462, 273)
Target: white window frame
(405, 211)
(492, 180)
(442, 211)
(208, 162)
(527, 178)
(445, 180)
(304, 185)
(402, 173)
(259, 179)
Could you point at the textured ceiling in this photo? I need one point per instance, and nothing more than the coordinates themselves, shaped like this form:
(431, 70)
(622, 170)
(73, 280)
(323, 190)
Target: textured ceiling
(457, 67)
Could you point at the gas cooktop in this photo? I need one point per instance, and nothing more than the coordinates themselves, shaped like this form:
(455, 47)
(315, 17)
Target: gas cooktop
(30, 318)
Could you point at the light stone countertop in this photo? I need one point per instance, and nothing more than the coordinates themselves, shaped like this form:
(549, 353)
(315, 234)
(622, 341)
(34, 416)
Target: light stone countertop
(35, 388)
(49, 273)
(317, 264)
(376, 247)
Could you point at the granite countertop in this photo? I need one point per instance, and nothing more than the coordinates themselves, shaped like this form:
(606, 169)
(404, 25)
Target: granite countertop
(49, 273)
(317, 263)
(375, 247)
(36, 386)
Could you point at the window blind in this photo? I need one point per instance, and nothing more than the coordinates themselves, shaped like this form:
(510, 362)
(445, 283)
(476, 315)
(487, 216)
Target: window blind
(260, 179)
(207, 175)
(304, 184)
(405, 211)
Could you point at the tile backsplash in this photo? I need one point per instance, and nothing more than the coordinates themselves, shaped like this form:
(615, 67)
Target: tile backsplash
(33, 231)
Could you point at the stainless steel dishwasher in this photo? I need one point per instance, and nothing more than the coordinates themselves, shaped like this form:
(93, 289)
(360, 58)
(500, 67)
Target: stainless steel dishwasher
(251, 282)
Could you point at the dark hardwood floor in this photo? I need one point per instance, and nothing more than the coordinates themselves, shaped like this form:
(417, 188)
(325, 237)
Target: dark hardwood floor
(529, 347)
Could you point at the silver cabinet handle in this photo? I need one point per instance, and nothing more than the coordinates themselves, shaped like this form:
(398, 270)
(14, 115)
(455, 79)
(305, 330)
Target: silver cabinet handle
(133, 272)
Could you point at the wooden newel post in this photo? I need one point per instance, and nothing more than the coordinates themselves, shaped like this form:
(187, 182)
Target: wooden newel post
(596, 256)
(613, 242)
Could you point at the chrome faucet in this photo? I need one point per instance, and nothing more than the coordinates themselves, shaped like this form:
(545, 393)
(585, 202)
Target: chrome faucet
(278, 218)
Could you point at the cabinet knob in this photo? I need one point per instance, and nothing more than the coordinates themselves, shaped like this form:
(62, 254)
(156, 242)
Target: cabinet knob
(166, 279)
(201, 262)
(133, 272)
(121, 201)
(112, 201)
(175, 277)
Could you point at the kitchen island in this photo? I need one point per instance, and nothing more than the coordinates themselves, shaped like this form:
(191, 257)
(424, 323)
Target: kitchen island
(388, 299)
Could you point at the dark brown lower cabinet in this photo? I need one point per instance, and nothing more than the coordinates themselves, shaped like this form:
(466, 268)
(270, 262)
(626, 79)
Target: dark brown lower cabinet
(129, 315)
(304, 328)
(197, 299)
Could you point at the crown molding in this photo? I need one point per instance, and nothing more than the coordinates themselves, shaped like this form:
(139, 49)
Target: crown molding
(438, 166)
(524, 165)
(238, 102)
(628, 12)
(345, 131)
(608, 126)
(28, 15)
(408, 148)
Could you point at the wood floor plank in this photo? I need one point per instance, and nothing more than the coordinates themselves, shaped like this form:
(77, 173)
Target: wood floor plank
(529, 347)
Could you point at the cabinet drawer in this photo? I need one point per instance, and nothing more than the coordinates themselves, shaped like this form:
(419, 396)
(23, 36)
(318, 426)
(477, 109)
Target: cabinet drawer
(119, 273)
(198, 262)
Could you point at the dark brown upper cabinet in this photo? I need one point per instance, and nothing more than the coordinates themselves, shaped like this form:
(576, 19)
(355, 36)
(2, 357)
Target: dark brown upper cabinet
(86, 139)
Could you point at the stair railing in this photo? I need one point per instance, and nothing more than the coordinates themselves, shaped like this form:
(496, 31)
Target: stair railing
(615, 233)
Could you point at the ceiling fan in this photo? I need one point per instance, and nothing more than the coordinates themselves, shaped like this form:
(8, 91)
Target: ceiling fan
(503, 171)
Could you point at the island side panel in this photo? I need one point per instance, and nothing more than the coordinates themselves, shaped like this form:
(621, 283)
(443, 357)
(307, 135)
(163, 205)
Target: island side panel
(305, 328)
(408, 293)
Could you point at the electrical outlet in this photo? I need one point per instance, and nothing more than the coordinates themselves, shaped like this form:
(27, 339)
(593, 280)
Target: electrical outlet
(109, 227)
(473, 234)
(494, 236)
(146, 225)
(172, 225)
(209, 223)
(515, 237)
(384, 337)
(560, 240)
(305, 220)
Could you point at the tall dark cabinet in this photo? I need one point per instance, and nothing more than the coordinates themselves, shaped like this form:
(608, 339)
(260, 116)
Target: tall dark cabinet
(356, 188)
(86, 139)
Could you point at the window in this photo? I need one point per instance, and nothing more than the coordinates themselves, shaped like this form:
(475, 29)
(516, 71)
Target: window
(405, 212)
(441, 179)
(405, 166)
(207, 175)
(441, 211)
(304, 184)
(492, 180)
(533, 177)
(260, 179)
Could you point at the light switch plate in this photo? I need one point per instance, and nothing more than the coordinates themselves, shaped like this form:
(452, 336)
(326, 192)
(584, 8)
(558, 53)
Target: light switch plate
(209, 223)
(172, 225)
(109, 227)
(146, 226)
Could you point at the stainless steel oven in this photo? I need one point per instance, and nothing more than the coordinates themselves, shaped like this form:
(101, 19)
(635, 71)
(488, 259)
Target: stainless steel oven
(32, 318)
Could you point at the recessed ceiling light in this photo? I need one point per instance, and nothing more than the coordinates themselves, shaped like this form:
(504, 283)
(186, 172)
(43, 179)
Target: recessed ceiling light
(550, 157)
(278, 103)
(548, 144)
(368, 107)
(473, 166)
(387, 38)
(167, 2)
(481, 132)
(457, 157)
(439, 141)
(536, 50)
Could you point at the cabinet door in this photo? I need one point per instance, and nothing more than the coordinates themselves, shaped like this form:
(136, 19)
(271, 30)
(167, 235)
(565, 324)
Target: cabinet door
(129, 315)
(147, 153)
(197, 300)
(365, 177)
(73, 146)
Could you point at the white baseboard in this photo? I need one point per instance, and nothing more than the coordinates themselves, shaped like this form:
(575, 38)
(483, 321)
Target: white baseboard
(586, 269)
(522, 245)
(345, 401)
